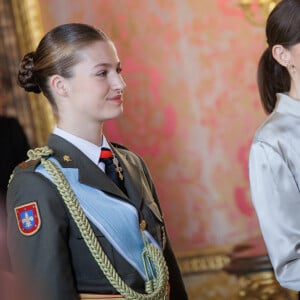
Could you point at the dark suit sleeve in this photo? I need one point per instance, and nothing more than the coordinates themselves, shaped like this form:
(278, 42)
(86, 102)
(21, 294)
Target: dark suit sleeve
(20, 142)
(177, 289)
(42, 260)
(14, 146)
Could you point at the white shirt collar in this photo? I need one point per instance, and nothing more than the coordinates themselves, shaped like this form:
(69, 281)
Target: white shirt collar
(91, 150)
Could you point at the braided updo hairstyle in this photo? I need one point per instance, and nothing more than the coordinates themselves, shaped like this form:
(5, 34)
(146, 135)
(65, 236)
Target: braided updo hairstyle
(282, 28)
(56, 54)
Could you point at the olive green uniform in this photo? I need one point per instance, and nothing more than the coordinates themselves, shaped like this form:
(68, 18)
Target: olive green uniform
(54, 261)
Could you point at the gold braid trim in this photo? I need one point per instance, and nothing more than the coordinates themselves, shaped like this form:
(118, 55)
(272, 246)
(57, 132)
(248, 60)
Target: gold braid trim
(157, 288)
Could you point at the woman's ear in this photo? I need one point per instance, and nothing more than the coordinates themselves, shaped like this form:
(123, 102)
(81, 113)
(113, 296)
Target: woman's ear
(59, 85)
(281, 55)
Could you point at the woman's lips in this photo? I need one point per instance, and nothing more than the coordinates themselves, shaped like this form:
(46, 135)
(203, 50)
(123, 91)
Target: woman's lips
(117, 98)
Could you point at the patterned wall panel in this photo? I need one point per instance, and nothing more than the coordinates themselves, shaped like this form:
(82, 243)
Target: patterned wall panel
(191, 108)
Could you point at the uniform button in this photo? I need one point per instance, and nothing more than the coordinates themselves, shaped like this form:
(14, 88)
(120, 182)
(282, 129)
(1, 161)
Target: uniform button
(143, 225)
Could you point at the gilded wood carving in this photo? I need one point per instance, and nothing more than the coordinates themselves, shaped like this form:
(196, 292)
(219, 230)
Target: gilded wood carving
(23, 19)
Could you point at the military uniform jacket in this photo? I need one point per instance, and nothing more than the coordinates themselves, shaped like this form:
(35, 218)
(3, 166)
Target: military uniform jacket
(54, 261)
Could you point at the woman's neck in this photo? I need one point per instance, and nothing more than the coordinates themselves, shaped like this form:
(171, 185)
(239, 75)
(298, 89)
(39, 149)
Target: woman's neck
(93, 135)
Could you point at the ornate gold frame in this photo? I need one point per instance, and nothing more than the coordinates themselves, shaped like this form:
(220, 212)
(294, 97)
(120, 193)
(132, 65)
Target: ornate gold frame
(27, 17)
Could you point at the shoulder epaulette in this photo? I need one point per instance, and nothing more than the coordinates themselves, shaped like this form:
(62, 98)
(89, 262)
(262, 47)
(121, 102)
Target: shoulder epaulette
(35, 156)
(26, 166)
(28, 163)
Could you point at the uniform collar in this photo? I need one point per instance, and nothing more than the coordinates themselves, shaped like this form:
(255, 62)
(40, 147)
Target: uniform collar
(91, 150)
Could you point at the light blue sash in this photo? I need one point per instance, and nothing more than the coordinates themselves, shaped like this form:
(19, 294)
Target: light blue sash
(116, 219)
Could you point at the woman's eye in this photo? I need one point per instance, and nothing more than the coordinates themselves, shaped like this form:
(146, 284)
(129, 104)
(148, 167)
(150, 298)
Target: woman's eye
(102, 73)
(119, 70)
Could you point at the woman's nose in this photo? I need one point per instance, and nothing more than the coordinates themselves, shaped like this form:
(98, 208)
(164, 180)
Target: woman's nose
(119, 83)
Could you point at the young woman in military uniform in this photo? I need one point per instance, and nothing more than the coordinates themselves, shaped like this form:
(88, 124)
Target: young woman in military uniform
(73, 232)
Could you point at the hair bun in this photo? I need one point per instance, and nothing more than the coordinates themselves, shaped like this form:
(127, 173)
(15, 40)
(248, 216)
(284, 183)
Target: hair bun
(26, 78)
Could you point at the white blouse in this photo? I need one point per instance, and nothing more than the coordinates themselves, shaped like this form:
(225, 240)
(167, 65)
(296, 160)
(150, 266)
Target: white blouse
(274, 170)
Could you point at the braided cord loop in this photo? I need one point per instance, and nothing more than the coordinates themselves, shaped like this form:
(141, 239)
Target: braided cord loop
(156, 289)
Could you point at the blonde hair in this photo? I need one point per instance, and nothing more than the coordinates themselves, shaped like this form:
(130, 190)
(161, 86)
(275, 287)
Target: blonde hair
(56, 54)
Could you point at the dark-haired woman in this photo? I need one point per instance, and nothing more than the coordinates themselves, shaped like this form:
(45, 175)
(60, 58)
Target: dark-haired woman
(73, 231)
(274, 164)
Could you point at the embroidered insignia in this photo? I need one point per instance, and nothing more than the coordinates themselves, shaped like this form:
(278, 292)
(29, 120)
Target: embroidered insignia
(28, 218)
(67, 158)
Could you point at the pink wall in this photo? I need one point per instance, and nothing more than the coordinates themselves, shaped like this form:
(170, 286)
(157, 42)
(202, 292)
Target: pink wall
(191, 108)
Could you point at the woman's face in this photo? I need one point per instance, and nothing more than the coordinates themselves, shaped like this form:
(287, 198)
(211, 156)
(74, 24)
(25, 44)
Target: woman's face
(96, 88)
